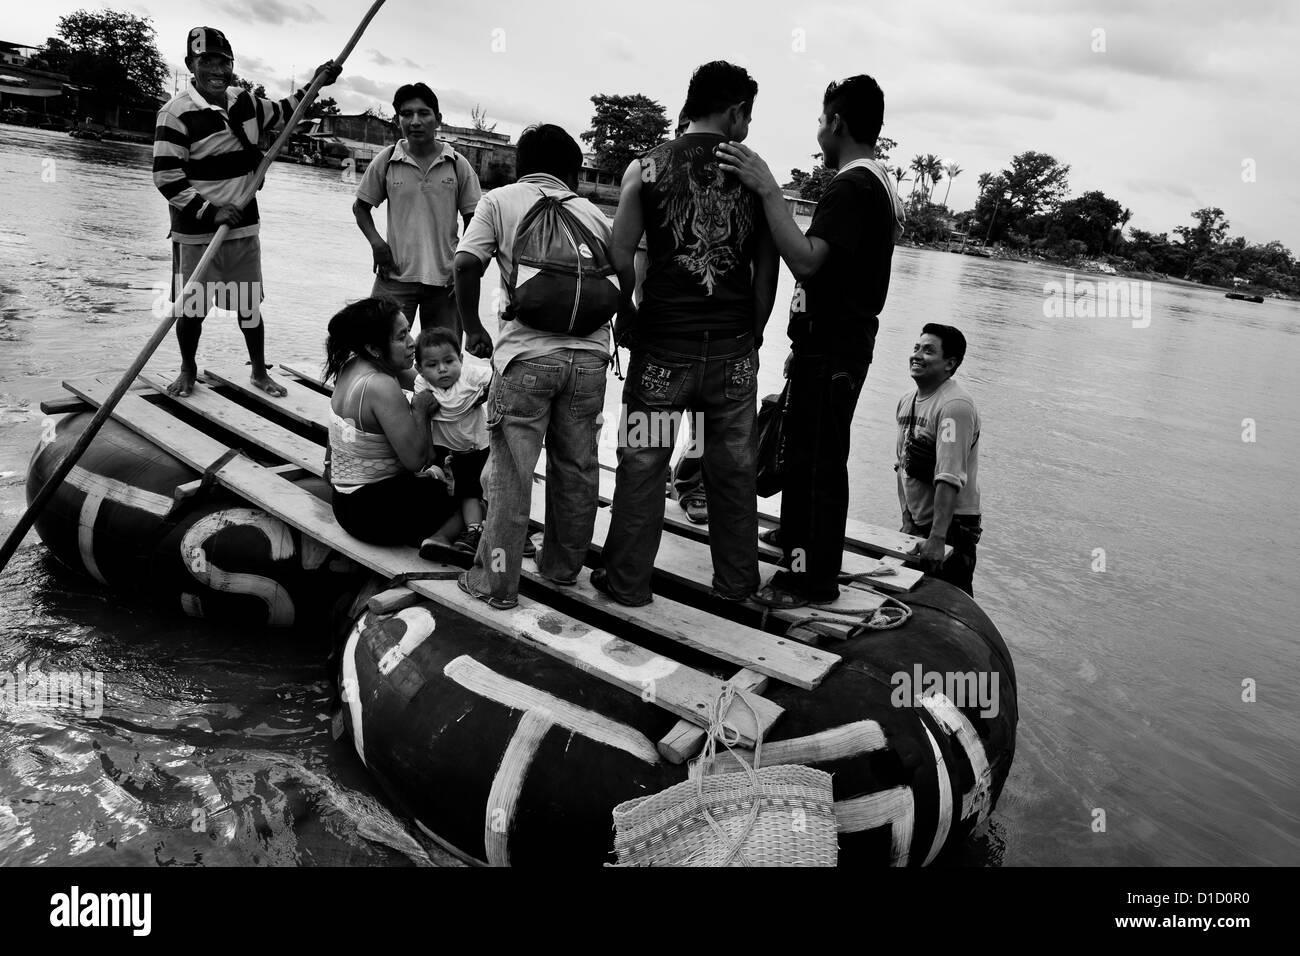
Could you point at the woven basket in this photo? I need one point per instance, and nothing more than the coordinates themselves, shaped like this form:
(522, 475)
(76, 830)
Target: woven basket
(794, 826)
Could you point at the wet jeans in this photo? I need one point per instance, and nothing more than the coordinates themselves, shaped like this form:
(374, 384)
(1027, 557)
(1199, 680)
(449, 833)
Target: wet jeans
(716, 380)
(823, 396)
(557, 398)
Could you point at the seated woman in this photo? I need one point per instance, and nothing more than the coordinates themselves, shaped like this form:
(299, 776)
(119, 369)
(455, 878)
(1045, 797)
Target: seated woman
(379, 440)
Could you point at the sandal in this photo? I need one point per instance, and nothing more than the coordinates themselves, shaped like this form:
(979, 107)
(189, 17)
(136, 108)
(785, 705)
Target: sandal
(498, 604)
(770, 595)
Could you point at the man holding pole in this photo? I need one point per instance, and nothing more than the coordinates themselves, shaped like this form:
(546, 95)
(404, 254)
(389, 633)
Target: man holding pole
(205, 156)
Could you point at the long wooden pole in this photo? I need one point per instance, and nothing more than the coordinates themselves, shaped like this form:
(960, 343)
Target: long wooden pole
(74, 454)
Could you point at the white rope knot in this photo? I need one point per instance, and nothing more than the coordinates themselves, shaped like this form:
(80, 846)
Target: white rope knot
(721, 731)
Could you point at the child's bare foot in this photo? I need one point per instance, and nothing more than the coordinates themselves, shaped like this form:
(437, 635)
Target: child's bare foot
(184, 383)
(267, 384)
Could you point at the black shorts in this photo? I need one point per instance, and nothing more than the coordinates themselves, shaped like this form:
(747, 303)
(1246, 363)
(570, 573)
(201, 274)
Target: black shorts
(466, 470)
(402, 509)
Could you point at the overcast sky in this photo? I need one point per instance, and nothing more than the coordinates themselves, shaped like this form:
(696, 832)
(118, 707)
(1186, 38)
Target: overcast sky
(1161, 119)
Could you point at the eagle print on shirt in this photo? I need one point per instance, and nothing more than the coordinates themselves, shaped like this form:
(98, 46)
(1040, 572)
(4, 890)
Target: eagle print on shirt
(699, 203)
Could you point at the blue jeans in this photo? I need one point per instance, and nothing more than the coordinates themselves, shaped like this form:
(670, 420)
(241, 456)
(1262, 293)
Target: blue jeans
(716, 380)
(557, 398)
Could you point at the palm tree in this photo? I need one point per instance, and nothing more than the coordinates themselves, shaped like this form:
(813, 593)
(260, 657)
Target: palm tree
(919, 167)
(933, 169)
(953, 171)
(984, 180)
(1118, 232)
(900, 175)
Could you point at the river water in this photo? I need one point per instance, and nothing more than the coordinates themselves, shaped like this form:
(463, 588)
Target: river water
(1116, 439)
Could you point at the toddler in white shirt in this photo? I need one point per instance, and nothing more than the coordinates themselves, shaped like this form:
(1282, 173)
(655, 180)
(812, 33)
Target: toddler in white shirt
(458, 430)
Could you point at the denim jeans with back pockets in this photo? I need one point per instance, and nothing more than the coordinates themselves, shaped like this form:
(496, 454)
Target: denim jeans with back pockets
(556, 398)
(718, 382)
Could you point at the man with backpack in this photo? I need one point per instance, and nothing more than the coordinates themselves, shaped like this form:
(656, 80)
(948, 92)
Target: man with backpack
(708, 292)
(550, 358)
(425, 183)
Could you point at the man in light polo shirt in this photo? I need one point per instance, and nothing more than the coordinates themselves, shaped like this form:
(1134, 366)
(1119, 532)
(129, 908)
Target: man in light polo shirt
(426, 183)
(547, 386)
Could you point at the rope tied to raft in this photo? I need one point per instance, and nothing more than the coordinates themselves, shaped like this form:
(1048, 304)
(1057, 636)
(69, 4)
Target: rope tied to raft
(885, 617)
(721, 731)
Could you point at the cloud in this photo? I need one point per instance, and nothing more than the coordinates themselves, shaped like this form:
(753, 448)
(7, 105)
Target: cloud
(271, 11)
(366, 86)
(253, 64)
(618, 46)
(383, 60)
(1170, 187)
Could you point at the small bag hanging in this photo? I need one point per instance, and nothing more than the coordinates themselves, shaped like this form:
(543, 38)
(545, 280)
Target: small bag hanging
(919, 457)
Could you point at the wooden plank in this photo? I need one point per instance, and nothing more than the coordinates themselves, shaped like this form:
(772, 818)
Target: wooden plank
(302, 404)
(788, 661)
(70, 404)
(190, 488)
(394, 599)
(247, 424)
(678, 689)
(309, 378)
(686, 740)
(690, 563)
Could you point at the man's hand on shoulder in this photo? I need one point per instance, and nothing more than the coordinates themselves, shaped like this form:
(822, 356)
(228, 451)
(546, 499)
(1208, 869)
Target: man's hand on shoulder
(748, 167)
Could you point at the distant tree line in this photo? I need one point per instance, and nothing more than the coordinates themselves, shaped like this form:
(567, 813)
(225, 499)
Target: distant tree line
(1026, 207)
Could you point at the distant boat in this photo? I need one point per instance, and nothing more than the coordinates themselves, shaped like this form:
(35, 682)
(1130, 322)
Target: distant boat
(1243, 297)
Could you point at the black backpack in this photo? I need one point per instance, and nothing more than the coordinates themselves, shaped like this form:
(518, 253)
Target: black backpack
(562, 280)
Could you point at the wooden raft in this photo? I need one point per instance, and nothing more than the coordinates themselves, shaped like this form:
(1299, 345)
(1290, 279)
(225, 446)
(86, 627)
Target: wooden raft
(237, 416)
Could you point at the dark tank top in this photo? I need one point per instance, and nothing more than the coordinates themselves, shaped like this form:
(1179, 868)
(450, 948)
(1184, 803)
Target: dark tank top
(701, 232)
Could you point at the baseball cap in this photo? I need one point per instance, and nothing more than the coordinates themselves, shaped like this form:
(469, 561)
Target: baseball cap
(208, 40)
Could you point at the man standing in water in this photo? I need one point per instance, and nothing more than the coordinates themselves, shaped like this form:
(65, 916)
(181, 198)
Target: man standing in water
(842, 265)
(426, 183)
(938, 458)
(708, 292)
(204, 157)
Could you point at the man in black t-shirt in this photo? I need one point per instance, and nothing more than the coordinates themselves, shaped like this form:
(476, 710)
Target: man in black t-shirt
(842, 265)
(708, 291)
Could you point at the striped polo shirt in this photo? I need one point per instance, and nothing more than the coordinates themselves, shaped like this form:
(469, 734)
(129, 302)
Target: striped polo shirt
(200, 164)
